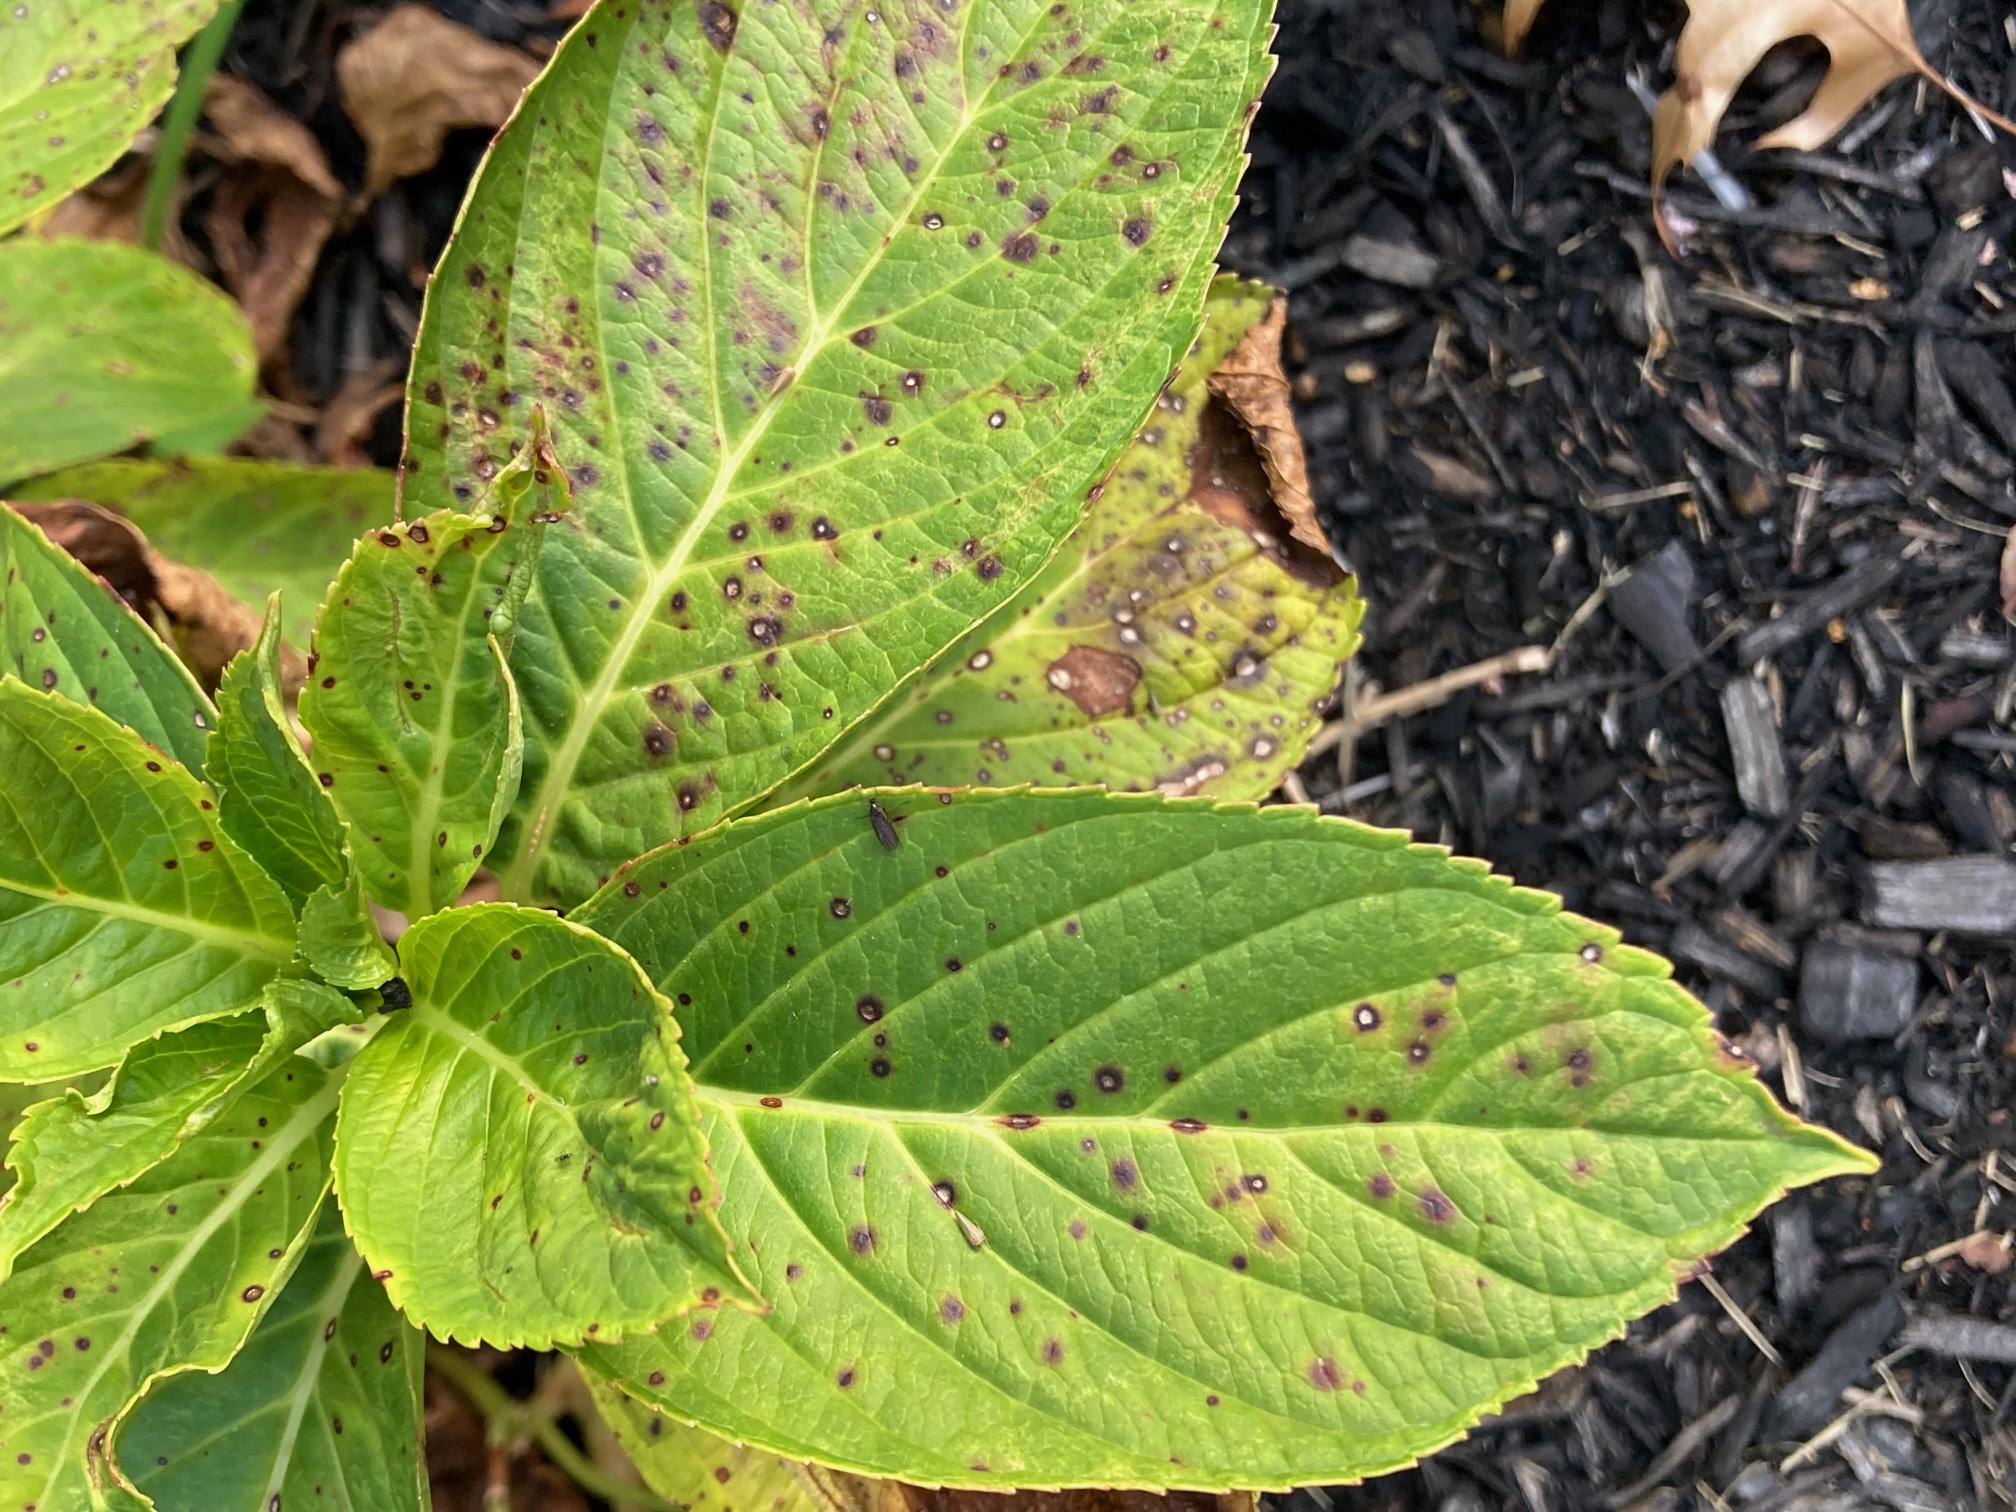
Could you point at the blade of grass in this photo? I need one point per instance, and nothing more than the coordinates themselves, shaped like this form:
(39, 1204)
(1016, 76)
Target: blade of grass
(197, 66)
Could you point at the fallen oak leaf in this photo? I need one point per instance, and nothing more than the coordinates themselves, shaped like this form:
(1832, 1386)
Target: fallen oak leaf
(416, 76)
(1869, 44)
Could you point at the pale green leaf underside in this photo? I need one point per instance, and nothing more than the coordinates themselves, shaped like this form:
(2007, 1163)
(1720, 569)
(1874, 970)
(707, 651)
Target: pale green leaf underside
(64, 631)
(410, 704)
(77, 83)
(168, 1274)
(1162, 648)
(16, 1098)
(71, 1150)
(1446, 1140)
(103, 346)
(255, 526)
(518, 1153)
(702, 1471)
(268, 799)
(840, 308)
(321, 1408)
(339, 937)
(124, 908)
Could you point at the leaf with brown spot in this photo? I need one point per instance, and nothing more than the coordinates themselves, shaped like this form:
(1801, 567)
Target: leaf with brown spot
(414, 77)
(1197, 669)
(746, 287)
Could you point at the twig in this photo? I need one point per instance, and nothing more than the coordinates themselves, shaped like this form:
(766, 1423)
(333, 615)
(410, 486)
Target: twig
(1740, 1318)
(507, 1419)
(1433, 693)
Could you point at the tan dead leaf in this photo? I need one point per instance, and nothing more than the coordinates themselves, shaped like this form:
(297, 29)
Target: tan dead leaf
(416, 76)
(281, 185)
(1251, 384)
(206, 624)
(108, 209)
(347, 420)
(1868, 42)
(2008, 576)
(250, 128)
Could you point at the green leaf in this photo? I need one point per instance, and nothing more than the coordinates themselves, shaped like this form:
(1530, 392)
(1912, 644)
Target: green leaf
(103, 345)
(841, 310)
(320, 1408)
(524, 1185)
(71, 1150)
(257, 527)
(1176, 642)
(1092, 1139)
(125, 909)
(16, 1099)
(168, 1274)
(77, 83)
(700, 1470)
(340, 940)
(268, 798)
(64, 630)
(409, 700)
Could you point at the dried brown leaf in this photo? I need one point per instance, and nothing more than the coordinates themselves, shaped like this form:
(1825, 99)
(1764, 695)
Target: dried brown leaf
(345, 426)
(206, 623)
(416, 76)
(249, 128)
(2008, 576)
(108, 209)
(1251, 384)
(1868, 42)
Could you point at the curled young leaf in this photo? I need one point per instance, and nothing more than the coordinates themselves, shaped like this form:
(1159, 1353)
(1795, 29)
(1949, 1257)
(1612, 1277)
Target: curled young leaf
(80, 81)
(1101, 1139)
(103, 346)
(257, 527)
(73, 1149)
(840, 311)
(125, 909)
(168, 1274)
(409, 700)
(66, 631)
(1182, 639)
(339, 937)
(518, 1154)
(267, 797)
(322, 1407)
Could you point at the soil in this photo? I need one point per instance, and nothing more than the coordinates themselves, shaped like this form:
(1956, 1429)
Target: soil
(1749, 504)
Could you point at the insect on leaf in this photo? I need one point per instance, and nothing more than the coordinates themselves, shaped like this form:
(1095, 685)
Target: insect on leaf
(103, 346)
(409, 701)
(125, 909)
(255, 526)
(73, 1149)
(591, 1210)
(1181, 640)
(1103, 1139)
(78, 82)
(65, 631)
(268, 799)
(168, 1274)
(840, 311)
(320, 1408)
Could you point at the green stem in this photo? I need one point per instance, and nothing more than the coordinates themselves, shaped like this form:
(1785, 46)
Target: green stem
(510, 1418)
(197, 65)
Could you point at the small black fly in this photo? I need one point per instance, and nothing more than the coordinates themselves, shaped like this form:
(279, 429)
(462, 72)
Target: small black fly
(885, 831)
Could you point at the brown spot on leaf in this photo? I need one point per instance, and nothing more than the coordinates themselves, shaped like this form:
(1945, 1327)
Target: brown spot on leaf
(1099, 681)
(1021, 247)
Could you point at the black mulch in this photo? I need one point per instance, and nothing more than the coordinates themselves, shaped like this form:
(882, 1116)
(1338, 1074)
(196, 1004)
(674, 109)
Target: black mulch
(1780, 752)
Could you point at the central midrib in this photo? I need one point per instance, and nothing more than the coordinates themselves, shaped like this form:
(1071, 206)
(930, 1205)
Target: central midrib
(559, 776)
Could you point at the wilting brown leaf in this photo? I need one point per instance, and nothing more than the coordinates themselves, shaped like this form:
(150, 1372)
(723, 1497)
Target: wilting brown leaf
(349, 416)
(250, 128)
(1868, 44)
(1253, 387)
(108, 209)
(416, 76)
(281, 184)
(207, 624)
